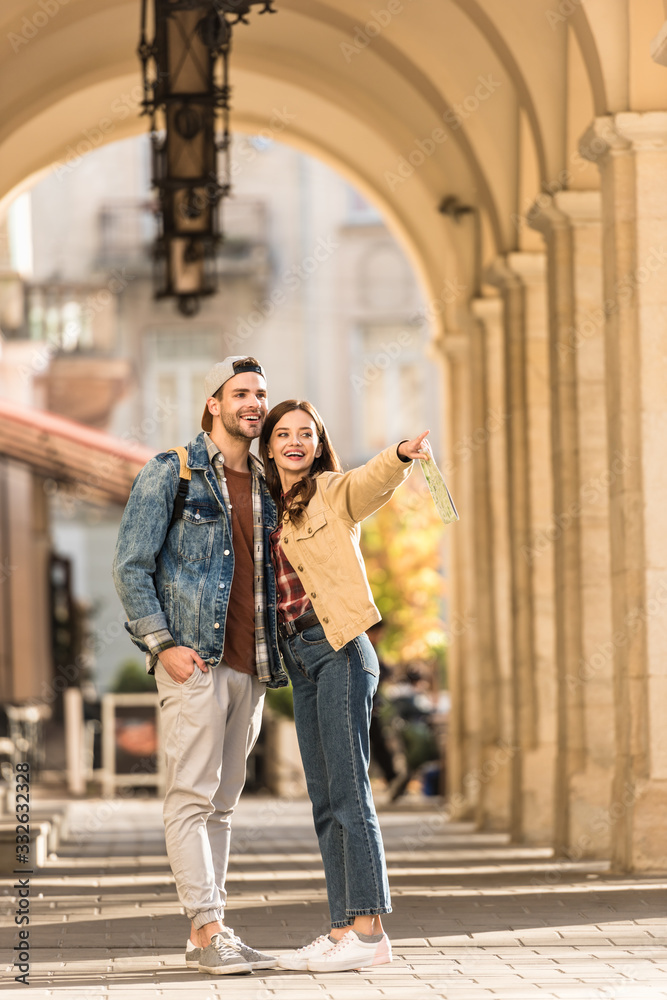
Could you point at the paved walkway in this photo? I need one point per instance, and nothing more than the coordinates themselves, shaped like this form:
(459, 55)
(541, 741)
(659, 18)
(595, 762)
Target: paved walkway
(473, 918)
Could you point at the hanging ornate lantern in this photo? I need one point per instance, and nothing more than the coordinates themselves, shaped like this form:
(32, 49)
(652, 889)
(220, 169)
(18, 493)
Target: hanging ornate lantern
(187, 97)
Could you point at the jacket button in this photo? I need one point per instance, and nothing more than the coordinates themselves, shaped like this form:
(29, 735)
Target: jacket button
(285, 541)
(300, 568)
(226, 552)
(216, 625)
(310, 531)
(197, 516)
(221, 586)
(212, 660)
(326, 621)
(313, 595)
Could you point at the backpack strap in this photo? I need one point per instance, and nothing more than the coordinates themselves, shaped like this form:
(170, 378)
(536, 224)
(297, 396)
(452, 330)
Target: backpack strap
(184, 477)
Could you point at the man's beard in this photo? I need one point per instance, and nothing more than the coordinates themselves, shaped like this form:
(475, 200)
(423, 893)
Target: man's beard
(232, 424)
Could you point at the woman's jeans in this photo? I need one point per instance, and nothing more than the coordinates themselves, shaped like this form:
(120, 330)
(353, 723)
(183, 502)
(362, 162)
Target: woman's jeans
(333, 695)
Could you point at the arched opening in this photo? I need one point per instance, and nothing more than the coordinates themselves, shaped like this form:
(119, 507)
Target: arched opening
(312, 282)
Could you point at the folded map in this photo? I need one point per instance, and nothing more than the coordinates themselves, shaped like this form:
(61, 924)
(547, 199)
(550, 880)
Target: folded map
(441, 495)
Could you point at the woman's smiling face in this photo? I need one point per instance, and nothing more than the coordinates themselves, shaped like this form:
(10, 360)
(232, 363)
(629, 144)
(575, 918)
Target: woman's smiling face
(294, 445)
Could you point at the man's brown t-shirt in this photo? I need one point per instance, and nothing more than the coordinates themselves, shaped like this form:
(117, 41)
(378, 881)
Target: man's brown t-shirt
(239, 650)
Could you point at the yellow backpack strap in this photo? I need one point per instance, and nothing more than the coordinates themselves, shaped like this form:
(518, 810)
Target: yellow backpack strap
(184, 472)
(184, 477)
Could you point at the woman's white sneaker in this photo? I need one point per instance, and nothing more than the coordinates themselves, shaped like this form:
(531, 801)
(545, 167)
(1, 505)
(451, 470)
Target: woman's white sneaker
(298, 960)
(352, 953)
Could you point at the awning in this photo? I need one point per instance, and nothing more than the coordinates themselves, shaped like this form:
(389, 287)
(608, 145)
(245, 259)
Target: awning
(98, 467)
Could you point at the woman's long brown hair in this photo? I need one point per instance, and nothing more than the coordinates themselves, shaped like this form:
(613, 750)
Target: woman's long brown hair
(300, 495)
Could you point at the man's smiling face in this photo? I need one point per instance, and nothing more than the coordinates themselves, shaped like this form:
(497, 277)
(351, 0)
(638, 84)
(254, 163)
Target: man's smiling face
(244, 405)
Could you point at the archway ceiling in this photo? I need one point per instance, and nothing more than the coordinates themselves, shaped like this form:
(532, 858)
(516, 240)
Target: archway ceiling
(362, 111)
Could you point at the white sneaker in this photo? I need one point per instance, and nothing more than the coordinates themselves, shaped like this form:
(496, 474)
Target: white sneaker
(352, 953)
(298, 960)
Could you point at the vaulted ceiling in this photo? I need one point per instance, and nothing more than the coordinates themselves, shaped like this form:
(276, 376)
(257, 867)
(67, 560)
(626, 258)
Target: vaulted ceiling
(413, 100)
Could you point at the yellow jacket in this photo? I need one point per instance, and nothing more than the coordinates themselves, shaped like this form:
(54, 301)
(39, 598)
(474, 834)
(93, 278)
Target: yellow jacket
(324, 547)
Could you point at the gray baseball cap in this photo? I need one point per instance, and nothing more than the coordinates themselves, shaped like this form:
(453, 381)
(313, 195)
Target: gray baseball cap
(221, 373)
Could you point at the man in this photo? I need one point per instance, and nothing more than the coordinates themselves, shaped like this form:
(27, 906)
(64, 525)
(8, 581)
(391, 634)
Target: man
(200, 599)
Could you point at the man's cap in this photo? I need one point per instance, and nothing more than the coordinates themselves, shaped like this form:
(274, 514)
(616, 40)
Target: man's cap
(221, 373)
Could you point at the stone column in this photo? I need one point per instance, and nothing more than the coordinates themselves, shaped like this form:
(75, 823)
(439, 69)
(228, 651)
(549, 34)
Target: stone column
(521, 597)
(631, 152)
(463, 754)
(26, 657)
(570, 223)
(492, 564)
(564, 532)
(473, 450)
(540, 754)
(521, 278)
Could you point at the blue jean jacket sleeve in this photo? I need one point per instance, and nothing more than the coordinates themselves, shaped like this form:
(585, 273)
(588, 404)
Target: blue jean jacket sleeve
(142, 532)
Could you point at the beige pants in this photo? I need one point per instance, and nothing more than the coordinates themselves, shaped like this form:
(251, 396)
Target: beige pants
(209, 724)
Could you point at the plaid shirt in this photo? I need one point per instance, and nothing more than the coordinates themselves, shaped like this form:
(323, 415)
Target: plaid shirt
(292, 598)
(157, 642)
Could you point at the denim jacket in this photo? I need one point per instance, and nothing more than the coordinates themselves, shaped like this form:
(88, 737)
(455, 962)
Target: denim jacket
(180, 578)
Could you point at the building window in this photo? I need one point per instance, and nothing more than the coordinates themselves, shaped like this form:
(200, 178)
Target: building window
(174, 397)
(70, 317)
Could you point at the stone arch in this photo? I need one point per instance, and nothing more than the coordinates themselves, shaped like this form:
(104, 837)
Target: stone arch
(476, 12)
(381, 107)
(62, 154)
(589, 48)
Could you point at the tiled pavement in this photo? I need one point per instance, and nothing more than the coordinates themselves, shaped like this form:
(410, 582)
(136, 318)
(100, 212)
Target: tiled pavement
(473, 917)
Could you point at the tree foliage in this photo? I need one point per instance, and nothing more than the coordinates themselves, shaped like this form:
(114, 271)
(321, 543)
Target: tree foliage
(131, 677)
(403, 548)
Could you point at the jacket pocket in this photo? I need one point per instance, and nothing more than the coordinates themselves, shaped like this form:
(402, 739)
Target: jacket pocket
(198, 525)
(317, 539)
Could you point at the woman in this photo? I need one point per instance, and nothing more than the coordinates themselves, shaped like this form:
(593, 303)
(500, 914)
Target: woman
(324, 607)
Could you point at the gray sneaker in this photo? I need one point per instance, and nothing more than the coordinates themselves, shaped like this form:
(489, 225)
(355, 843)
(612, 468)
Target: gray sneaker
(220, 960)
(256, 959)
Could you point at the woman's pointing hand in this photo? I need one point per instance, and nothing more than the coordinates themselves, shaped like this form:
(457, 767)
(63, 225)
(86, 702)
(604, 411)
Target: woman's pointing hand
(417, 448)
